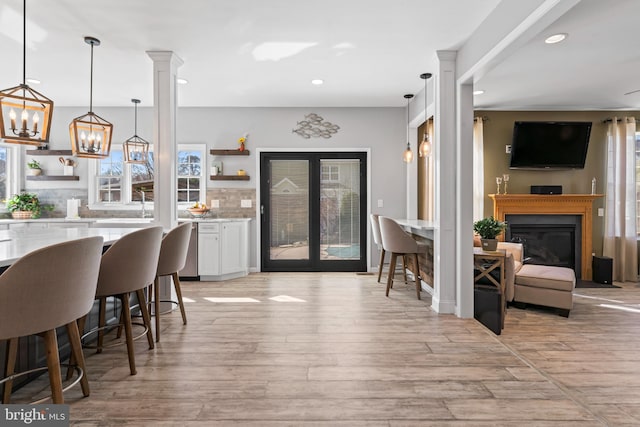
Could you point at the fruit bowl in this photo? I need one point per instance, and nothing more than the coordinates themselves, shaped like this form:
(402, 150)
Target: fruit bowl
(198, 212)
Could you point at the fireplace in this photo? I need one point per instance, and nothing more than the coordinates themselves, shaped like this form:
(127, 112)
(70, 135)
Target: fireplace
(554, 204)
(548, 239)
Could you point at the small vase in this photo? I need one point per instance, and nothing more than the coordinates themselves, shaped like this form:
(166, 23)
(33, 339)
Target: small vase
(489, 245)
(35, 171)
(241, 146)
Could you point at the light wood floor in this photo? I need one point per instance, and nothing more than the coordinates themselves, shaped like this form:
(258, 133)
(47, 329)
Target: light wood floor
(344, 355)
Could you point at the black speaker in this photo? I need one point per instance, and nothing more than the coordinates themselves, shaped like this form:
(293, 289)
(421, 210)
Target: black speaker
(602, 269)
(546, 189)
(487, 308)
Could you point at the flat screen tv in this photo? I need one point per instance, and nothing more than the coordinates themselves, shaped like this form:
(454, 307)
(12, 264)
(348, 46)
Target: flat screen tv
(549, 145)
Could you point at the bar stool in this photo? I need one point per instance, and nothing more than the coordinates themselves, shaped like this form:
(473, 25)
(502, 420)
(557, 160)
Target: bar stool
(173, 257)
(127, 267)
(399, 242)
(45, 289)
(377, 238)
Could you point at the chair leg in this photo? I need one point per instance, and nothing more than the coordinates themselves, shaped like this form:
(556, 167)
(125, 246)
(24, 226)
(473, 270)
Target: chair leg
(146, 318)
(392, 270)
(381, 265)
(404, 268)
(126, 317)
(53, 364)
(176, 282)
(10, 365)
(417, 275)
(77, 356)
(156, 305)
(102, 321)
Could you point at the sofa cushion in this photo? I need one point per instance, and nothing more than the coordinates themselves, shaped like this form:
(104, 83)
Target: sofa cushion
(546, 276)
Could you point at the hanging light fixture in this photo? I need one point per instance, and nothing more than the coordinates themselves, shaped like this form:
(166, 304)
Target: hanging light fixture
(425, 146)
(407, 157)
(136, 149)
(91, 134)
(27, 100)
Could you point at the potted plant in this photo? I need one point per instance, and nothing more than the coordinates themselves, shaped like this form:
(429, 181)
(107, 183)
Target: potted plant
(34, 167)
(488, 229)
(25, 206)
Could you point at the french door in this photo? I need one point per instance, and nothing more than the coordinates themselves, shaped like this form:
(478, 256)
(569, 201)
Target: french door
(313, 211)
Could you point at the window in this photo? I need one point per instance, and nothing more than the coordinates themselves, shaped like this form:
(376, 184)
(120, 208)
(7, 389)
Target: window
(190, 172)
(329, 173)
(118, 185)
(9, 171)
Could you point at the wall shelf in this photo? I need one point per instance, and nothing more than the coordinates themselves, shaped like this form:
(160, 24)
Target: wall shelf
(53, 178)
(229, 177)
(49, 152)
(228, 152)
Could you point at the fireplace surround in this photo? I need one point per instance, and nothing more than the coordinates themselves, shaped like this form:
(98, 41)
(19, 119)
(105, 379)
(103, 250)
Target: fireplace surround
(556, 204)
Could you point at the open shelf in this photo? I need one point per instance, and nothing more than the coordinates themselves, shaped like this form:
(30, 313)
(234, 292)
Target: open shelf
(49, 152)
(229, 177)
(53, 178)
(228, 152)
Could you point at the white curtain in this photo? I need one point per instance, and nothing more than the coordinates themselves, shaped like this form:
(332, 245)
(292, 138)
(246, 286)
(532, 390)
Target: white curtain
(620, 232)
(478, 169)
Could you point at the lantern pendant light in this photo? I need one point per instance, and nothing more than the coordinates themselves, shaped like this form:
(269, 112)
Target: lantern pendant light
(136, 149)
(407, 156)
(425, 146)
(91, 134)
(31, 103)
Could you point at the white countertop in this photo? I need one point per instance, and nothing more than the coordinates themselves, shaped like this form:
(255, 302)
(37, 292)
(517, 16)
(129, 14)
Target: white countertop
(418, 224)
(14, 244)
(114, 220)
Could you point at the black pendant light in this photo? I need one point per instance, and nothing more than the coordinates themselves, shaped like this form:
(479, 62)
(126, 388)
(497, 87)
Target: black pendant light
(425, 146)
(136, 149)
(91, 134)
(407, 156)
(31, 103)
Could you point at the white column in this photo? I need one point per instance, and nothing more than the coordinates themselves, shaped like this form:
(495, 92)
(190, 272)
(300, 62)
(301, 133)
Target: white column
(444, 295)
(165, 66)
(464, 201)
(165, 105)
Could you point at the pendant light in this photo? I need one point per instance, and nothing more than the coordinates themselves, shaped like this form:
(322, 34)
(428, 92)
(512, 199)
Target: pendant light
(407, 157)
(425, 146)
(91, 134)
(136, 149)
(27, 100)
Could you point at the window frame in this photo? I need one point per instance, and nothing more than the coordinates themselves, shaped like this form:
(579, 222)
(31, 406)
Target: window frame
(13, 171)
(202, 148)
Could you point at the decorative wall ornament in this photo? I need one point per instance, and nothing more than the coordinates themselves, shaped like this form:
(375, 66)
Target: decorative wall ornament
(314, 126)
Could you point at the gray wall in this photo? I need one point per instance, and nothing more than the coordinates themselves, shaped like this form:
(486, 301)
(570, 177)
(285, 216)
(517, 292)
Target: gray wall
(382, 130)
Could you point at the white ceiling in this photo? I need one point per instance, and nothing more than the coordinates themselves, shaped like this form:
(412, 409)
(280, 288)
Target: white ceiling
(369, 52)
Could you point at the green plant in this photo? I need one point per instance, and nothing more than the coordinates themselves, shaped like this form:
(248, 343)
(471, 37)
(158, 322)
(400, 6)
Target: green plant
(489, 228)
(27, 202)
(33, 164)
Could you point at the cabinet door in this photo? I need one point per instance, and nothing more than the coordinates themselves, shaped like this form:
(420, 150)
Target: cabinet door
(208, 254)
(233, 257)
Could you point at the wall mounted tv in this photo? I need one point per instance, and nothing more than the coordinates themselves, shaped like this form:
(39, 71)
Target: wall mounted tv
(549, 145)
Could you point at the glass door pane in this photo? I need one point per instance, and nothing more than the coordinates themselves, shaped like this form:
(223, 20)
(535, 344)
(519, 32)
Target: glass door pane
(289, 210)
(339, 209)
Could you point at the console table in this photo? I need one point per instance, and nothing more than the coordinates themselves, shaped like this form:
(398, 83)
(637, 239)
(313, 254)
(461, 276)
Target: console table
(486, 262)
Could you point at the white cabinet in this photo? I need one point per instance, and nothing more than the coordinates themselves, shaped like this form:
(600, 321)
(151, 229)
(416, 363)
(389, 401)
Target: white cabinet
(223, 249)
(208, 250)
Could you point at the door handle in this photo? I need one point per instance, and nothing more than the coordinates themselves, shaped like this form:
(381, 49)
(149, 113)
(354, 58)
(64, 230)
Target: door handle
(261, 209)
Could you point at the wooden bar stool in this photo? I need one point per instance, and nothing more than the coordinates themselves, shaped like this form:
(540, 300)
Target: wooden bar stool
(46, 289)
(399, 242)
(173, 257)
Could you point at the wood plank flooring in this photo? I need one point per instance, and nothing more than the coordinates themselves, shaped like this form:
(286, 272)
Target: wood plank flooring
(331, 350)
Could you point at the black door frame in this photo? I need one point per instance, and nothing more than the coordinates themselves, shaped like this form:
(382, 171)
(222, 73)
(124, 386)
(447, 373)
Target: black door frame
(314, 263)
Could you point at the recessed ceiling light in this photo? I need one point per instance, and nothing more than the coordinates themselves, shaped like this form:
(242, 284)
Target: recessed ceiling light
(317, 81)
(556, 38)
(33, 81)
(478, 92)
(182, 81)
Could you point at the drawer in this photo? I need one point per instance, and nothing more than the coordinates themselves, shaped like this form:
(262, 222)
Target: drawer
(205, 227)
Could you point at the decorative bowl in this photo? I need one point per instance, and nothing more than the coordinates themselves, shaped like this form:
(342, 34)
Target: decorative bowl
(198, 212)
